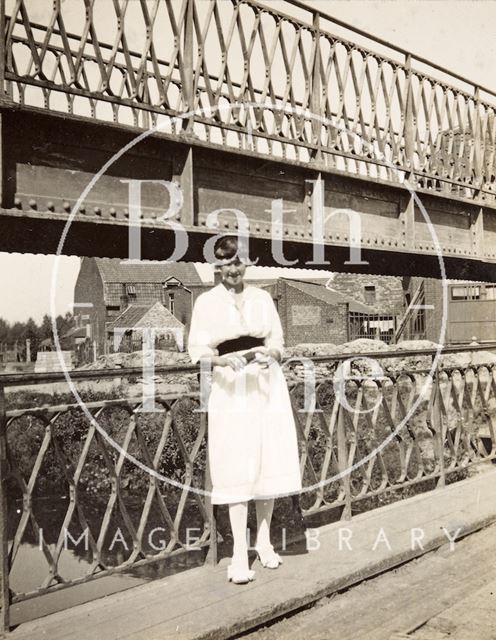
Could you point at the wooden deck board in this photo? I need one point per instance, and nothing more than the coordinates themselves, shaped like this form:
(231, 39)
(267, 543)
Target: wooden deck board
(200, 603)
(399, 601)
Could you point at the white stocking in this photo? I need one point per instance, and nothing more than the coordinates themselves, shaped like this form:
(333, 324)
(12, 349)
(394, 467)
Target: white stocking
(264, 516)
(238, 515)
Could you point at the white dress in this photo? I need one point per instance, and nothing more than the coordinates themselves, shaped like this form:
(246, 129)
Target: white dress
(252, 444)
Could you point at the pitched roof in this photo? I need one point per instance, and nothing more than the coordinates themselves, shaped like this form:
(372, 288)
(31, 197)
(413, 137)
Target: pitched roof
(330, 296)
(116, 270)
(146, 315)
(75, 332)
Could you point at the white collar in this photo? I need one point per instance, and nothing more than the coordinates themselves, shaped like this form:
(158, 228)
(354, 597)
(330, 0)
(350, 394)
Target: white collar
(222, 291)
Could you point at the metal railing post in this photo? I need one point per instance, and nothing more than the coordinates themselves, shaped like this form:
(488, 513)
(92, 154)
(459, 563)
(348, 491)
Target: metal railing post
(188, 73)
(408, 129)
(343, 463)
(316, 95)
(4, 541)
(3, 51)
(478, 142)
(437, 423)
(212, 549)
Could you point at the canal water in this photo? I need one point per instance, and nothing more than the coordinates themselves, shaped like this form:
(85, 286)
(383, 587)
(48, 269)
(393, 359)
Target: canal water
(30, 569)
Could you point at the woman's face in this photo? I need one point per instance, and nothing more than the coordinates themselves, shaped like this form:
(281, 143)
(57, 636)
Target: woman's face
(232, 273)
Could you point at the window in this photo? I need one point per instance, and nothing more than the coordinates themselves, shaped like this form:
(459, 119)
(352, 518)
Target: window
(171, 303)
(131, 290)
(490, 292)
(468, 292)
(369, 294)
(459, 293)
(362, 325)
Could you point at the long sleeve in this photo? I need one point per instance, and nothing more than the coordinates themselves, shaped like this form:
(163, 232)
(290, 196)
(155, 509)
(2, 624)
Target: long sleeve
(199, 338)
(275, 337)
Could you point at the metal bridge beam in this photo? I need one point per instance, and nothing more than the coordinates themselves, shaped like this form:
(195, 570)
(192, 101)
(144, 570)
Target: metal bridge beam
(46, 169)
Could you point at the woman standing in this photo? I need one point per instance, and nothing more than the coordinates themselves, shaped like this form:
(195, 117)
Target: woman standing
(252, 445)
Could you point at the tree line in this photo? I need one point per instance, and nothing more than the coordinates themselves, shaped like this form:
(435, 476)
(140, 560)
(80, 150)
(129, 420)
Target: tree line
(18, 332)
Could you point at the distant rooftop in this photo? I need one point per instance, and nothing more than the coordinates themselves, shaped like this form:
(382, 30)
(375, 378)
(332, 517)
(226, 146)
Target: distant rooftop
(116, 270)
(146, 315)
(330, 296)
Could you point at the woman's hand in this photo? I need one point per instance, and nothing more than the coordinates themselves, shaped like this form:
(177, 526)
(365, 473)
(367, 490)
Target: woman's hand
(265, 356)
(233, 360)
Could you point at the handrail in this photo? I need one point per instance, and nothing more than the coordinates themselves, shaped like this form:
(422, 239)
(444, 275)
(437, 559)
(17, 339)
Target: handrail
(18, 379)
(313, 11)
(389, 45)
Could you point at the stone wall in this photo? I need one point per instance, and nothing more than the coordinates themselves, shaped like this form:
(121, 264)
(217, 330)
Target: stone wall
(387, 297)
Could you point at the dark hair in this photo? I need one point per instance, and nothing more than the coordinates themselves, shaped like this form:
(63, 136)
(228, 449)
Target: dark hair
(226, 248)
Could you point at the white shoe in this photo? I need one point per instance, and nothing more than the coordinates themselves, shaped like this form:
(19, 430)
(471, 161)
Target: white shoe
(238, 575)
(269, 559)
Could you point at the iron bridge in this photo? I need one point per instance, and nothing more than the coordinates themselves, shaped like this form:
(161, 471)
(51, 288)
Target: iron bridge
(246, 104)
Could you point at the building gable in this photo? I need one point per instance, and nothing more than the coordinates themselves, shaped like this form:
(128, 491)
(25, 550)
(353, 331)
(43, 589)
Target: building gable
(114, 270)
(138, 316)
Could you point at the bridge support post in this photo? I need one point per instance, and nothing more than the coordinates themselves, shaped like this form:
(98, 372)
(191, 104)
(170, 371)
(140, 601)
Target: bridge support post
(182, 174)
(4, 544)
(477, 233)
(407, 218)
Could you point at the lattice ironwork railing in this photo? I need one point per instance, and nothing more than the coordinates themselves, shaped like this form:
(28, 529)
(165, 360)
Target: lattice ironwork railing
(392, 433)
(353, 448)
(105, 475)
(245, 74)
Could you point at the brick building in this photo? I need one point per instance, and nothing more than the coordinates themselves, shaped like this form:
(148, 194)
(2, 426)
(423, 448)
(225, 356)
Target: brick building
(318, 311)
(126, 332)
(106, 287)
(314, 310)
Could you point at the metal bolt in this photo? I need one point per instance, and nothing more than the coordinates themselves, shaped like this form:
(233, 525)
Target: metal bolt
(32, 203)
(66, 205)
(50, 206)
(18, 203)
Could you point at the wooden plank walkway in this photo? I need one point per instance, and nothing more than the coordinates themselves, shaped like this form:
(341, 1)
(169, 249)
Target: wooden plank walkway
(200, 603)
(453, 593)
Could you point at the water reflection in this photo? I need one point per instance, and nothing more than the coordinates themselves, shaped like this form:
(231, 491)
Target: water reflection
(31, 568)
